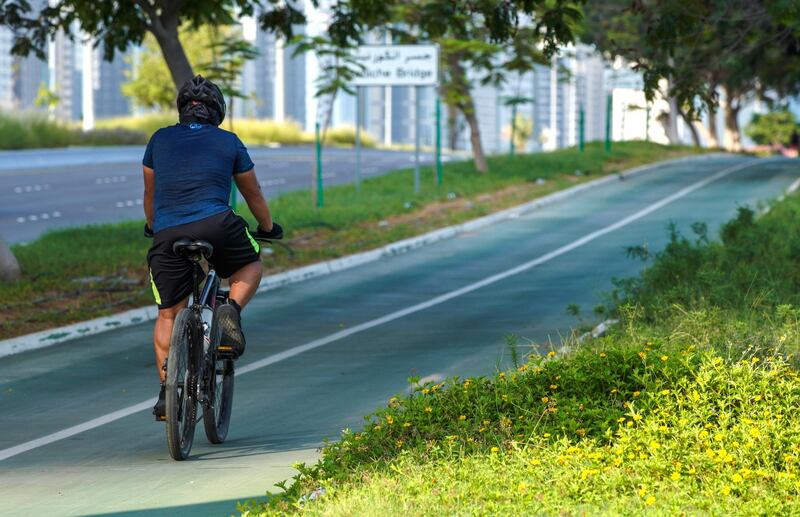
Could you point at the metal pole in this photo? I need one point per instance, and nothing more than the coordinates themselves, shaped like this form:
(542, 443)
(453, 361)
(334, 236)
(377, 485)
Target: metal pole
(608, 122)
(647, 123)
(438, 141)
(358, 138)
(513, 129)
(320, 198)
(416, 140)
(581, 129)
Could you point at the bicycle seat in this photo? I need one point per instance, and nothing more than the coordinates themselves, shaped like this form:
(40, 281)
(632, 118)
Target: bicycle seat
(193, 250)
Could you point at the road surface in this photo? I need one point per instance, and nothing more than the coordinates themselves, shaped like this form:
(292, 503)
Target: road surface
(42, 189)
(347, 342)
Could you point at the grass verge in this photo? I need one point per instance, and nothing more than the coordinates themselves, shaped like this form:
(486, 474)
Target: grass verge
(81, 273)
(687, 407)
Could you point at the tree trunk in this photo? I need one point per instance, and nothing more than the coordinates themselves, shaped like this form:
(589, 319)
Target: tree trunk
(452, 126)
(713, 133)
(671, 125)
(692, 129)
(732, 135)
(166, 34)
(9, 267)
(467, 106)
(475, 137)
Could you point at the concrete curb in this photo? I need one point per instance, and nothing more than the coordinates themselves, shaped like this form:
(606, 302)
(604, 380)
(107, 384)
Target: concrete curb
(134, 316)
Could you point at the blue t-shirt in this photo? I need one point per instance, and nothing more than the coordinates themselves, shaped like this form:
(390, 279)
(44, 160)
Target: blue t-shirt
(193, 165)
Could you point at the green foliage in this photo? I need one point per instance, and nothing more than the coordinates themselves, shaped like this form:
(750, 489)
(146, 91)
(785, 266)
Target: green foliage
(688, 405)
(35, 130)
(773, 128)
(149, 83)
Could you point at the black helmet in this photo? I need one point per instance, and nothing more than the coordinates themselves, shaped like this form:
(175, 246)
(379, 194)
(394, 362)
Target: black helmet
(200, 100)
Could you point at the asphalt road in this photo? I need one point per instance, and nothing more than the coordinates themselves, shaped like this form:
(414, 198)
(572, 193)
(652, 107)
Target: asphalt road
(325, 352)
(54, 188)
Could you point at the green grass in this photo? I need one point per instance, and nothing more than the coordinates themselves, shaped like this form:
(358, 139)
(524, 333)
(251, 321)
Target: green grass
(72, 275)
(37, 130)
(251, 131)
(688, 406)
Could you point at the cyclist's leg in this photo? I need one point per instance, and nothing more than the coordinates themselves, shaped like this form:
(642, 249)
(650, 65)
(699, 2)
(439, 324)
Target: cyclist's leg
(244, 283)
(162, 333)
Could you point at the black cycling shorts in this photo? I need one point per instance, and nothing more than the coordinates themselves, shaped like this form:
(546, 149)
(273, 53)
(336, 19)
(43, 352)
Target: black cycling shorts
(171, 274)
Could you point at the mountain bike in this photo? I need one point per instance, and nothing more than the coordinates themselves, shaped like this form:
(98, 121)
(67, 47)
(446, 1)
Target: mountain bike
(199, 370)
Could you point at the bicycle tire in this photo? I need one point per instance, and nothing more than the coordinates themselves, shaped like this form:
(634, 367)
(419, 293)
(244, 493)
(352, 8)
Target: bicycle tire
(217, 415)
(181, 396)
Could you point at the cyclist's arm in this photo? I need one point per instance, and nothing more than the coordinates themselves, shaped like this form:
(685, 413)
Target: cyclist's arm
(149, 191)
(251, 191)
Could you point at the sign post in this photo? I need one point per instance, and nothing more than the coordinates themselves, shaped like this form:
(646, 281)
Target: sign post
(438, 141)
(320, 198)
(358, 139)
(399, 65)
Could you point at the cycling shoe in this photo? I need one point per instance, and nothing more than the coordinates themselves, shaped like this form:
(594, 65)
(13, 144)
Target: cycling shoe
(160, 409)
(231, 338)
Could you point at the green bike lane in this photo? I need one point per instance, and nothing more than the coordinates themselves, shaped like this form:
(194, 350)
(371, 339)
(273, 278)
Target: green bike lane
(282, 411)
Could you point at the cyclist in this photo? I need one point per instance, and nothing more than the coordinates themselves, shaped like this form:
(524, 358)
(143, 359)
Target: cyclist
(187, 184)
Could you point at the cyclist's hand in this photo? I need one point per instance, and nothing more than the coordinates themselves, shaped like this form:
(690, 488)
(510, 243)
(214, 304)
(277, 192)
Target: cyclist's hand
(275, 234)
(148, 232)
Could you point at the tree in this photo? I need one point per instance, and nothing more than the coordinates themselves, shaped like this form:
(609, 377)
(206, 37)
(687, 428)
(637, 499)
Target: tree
(150, 83)
(229, 54)
(489, 39)
(744, 48)
(773, 128)
(517, 123)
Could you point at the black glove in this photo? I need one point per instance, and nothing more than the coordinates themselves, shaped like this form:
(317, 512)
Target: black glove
(148, 232)
(275, 234)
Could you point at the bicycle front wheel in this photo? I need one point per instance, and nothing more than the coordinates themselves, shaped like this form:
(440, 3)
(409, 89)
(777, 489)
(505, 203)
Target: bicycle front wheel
(181, 388)
(217, 415)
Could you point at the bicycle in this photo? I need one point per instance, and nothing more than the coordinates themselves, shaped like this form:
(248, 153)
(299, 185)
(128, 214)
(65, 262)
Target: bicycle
(199, 371)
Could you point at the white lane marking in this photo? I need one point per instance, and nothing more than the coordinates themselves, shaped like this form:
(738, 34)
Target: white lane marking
(20, 219)
(33, 218)
(276, 181)
(45, 216)
(438, 300)
(56, 214)
(18, 190)
(120, 204)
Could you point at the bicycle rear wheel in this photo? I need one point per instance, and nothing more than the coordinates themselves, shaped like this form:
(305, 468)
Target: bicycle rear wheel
(217, 415)
(181, 388)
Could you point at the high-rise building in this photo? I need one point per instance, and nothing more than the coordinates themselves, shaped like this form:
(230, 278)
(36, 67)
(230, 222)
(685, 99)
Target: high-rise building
(108, 78)
(6, 70)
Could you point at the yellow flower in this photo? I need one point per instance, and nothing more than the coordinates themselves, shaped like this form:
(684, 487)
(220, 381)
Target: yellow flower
(482, 429)
(425, 391)
(650, 501)
(486, 422)
(389, 420)
(726, 490)
(718, 437)
(553, 387)
(636, 393)
(535, 462)
(665, 392)
(551, 354)
(545, 400)
(602, 354)
(501, 375)
(495, 450)
(630, 423)
(736, 478)
(703, 434)
(675, 476)
(377, 428)
(755, 433)
(462, 417)
(642, 491)
(664, 358)
(429, 409)
(522, 487)
(581, 432)
(755, 360)
(546, 435)
(642, 355)
(757, 398)
(407, 424)
(504, 397)
(399, 443)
